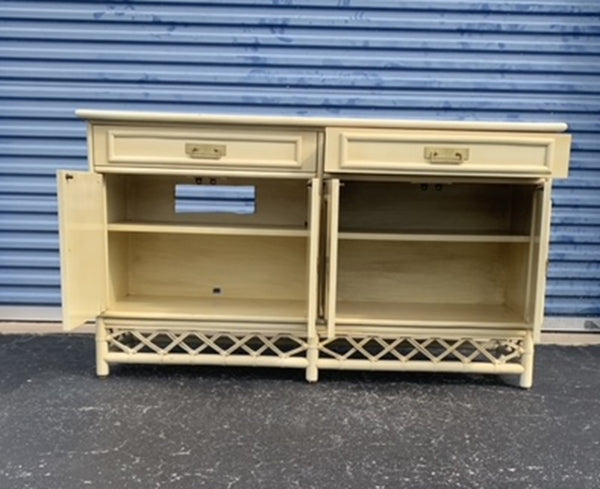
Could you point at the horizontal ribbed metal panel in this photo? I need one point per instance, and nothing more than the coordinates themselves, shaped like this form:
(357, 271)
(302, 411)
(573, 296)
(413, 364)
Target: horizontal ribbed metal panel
(519, 60)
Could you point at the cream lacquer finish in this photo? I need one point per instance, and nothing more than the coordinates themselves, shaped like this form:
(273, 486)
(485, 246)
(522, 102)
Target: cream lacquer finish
(376, 244)
(82, 246)
(246, 148)
(402, 151)
(171, 118)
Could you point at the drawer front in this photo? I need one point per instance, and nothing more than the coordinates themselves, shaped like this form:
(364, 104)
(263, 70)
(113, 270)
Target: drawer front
(216, 148)
(450, 152)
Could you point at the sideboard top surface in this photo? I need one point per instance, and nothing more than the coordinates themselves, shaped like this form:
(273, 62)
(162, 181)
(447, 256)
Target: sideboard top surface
(167, 117)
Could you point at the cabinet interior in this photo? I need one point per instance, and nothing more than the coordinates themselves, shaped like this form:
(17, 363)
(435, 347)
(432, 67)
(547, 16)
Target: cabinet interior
(407, 253)
(150, 199)
(430, 208)
(207, 265)
(453, 254)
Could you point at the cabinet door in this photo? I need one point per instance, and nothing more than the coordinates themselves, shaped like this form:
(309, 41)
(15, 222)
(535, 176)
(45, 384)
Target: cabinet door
(540, 247)
(82, 246)
(314, 197)
(333, 209)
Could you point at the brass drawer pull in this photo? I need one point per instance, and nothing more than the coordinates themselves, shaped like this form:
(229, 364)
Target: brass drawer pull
(205, 151)
(446, 155)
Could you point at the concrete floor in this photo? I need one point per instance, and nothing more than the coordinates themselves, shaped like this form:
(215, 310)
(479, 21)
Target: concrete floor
(151, 427)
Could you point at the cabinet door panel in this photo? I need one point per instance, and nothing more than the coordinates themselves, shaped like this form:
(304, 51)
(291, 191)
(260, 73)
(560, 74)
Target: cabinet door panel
(332, 254)
(313, 255)
(82, 246)
(540, 243)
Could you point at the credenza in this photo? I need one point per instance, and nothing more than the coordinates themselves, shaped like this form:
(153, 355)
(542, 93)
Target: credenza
(311, 243)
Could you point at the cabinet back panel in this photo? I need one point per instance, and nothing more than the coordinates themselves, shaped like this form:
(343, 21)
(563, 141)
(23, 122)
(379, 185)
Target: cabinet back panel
(519, 279)
(204, 266)
(118, 266)
(152, 199)
(398, 206)
(422, 272)
(116, 197)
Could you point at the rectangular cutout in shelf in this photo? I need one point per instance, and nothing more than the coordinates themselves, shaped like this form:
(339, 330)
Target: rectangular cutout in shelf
(183, 228)
(217, 308)
(210, 199)
(439, 237)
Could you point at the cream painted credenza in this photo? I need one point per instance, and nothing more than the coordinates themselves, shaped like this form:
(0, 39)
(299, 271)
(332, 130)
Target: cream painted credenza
(351, 244)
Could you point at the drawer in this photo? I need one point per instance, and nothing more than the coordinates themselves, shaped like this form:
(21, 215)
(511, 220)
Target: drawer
(220, 148)
(446, 152)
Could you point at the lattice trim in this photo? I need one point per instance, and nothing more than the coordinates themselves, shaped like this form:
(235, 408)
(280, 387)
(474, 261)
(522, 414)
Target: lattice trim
(431, 349)
(163, 342)
(373, 349)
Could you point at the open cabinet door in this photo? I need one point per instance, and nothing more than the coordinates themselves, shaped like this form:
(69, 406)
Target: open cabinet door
(333, 211)
(541, 243)
(314, 197)
(81, 215)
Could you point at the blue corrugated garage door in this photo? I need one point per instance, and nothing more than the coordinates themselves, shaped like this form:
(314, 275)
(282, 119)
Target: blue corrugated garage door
(519, 60)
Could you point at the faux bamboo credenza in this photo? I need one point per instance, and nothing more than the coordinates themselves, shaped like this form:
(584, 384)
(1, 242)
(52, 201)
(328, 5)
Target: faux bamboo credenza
(360, 244)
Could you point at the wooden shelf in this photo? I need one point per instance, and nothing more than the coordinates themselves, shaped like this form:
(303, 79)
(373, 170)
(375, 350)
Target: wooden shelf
(439, 237)
(218, 308)
(186, 228)
(427, 314)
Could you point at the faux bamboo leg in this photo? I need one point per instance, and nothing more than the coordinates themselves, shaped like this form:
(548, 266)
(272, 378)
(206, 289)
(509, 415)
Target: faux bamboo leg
(102, 367)
(526, 378)
(312, 355)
